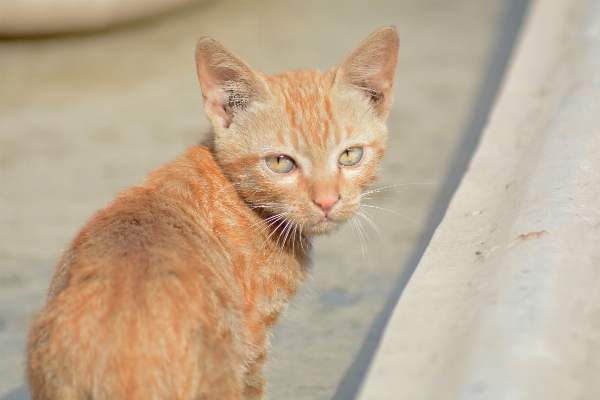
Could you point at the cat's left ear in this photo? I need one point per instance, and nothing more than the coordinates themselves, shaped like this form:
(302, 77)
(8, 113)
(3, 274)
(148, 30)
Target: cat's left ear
(228, 84)
(371, 68)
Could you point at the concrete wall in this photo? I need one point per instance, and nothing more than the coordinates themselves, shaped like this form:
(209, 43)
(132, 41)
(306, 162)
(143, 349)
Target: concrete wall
(505, 301)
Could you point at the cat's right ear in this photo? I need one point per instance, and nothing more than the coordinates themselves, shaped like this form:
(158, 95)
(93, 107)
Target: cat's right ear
(228, 83)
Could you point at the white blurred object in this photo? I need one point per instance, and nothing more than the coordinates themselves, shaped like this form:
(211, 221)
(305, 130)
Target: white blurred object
(43, 17)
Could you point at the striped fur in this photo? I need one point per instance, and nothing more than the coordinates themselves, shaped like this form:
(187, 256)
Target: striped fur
(170, 291)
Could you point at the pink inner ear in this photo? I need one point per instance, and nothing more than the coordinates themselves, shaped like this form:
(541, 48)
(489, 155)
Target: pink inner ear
(382, 83)
(219, 112)
(385, 78)
(215, 96)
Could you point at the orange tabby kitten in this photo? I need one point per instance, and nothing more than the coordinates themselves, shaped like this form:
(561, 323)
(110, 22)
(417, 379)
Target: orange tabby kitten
(170, 291)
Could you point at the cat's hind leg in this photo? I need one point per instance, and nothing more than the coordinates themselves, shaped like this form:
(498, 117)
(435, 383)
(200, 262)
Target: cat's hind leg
(86, 345)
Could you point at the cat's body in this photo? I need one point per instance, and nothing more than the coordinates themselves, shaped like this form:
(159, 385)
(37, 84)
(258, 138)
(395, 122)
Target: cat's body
(170, 291)
(156, 263)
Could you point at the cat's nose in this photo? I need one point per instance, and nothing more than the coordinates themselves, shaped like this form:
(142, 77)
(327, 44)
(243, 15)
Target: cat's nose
(326, 203)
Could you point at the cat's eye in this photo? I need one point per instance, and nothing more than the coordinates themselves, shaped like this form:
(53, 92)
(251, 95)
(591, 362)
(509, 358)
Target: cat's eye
(351, 156)
(280, 164)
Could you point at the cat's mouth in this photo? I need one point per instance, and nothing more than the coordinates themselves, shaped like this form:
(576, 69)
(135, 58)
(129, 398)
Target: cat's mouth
(327, 222)
(324, 225)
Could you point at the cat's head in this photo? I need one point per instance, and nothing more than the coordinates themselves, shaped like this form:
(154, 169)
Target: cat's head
(301, 146)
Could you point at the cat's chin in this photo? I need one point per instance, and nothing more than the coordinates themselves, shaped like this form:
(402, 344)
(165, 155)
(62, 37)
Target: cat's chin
(323, 227)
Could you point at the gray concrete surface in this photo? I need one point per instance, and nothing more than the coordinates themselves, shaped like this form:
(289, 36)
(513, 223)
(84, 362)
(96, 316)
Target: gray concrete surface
(505, 303)
(82, 117)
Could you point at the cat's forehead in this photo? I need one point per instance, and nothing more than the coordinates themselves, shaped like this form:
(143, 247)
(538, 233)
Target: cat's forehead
(308, 110)
(303, 90)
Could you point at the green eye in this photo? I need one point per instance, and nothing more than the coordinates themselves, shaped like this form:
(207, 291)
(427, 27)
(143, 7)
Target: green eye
(351, 156)
(280, 164)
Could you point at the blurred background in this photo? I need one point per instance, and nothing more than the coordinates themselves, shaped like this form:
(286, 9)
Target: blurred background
(94, 94)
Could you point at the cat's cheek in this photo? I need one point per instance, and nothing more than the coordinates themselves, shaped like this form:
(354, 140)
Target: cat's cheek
(287, 182)
(290, 185)
(358, 179)
(365, 173)
(347, 210)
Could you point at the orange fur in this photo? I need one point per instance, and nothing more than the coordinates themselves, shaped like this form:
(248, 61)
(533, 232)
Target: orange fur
(170, 291)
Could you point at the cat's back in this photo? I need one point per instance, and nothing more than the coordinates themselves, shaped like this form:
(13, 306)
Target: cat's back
(148, 284)
(163, 226)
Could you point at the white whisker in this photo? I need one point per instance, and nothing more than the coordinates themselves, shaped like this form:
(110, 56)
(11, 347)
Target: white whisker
(263, 221)
(286, 230)
(283, 220)
(366, 235)
(300, 235)
(293, 239)
(379, 198)
(391, 186)
(402, 215)
(360, 235)
(367, 218)
(272, 220)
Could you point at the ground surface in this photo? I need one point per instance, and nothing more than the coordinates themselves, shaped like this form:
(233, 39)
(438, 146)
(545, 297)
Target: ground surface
(83, 117)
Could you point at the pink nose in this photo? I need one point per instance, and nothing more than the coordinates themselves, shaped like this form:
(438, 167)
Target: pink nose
(326, 203)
